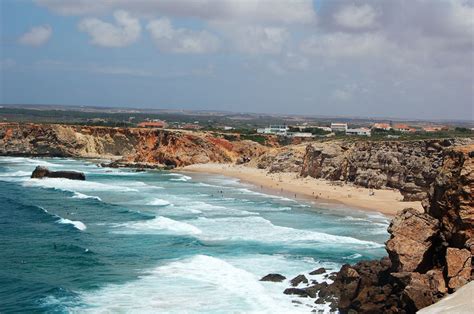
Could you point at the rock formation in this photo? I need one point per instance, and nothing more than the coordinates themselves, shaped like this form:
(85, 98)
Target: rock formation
(409, 166)
(163, 148)
(43, 172)
(430, 253)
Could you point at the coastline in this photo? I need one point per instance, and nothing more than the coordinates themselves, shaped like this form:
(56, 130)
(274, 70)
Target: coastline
(387, 202)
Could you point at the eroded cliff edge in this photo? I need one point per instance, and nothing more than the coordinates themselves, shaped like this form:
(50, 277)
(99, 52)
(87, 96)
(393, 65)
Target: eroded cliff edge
(129, 145)
(430, 254)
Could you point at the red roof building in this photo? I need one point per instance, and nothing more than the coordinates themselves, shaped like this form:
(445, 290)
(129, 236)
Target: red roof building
(154, 124)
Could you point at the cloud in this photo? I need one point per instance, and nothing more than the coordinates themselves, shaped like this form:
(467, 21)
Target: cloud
(253, 39)
(104, 34)
(181, 40)
(295, 11)
(337, 45)
(36, 36)
(356, 17)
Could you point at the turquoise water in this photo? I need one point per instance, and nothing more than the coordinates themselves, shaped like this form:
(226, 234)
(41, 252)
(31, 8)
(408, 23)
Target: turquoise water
(147, 242)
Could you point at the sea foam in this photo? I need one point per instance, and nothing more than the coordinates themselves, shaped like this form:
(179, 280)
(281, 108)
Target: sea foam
(79, 225)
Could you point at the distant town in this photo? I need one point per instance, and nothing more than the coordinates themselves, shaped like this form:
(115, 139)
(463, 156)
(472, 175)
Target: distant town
(256, 127)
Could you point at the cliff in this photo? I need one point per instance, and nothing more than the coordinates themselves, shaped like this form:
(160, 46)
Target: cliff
(430, 253)
(409, 166)
(129, 145)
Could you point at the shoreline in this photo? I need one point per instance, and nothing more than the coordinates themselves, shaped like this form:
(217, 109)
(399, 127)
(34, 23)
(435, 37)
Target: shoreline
(385, 201)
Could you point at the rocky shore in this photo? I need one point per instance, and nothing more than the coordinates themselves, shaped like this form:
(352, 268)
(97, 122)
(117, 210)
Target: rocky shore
(430, 253)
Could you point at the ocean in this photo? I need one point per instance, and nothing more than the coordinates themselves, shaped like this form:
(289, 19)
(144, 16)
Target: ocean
(164, 242)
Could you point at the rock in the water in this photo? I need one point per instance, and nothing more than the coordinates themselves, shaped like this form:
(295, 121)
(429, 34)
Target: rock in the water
(43, 172)
(273, 278)
(318, 271)
(296, 291)
(298, 279)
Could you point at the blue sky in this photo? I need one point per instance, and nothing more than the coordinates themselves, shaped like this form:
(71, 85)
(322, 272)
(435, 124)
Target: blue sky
(378, 58)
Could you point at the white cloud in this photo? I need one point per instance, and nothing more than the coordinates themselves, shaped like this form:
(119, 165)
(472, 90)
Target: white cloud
(340, 44)
(104, 34)
(253, 39)
(356, 17)
(181, 40)
(36, 36)
(295, 11)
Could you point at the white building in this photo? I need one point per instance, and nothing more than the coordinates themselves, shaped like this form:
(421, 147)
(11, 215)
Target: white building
(338, 127)
(324, 128)
(300, 134)
(359, 131)
(274, 129)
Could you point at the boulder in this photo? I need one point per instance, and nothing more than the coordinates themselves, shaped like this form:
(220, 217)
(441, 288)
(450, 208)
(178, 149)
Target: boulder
(43, 172)
(418, 293)
(273, 278)
(459, 267)
(318, 271)
(296, 291)
(298, 279)
(412, 235)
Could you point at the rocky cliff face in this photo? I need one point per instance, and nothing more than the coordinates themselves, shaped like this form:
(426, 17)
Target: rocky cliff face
(151, 146)
(410, 167)
(430, 253)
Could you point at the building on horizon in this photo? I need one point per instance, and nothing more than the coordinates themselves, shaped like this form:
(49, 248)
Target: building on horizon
(403, 128)
(275, 130)
(382, 126)
(338, 127)
(359, 131)
(153, 124)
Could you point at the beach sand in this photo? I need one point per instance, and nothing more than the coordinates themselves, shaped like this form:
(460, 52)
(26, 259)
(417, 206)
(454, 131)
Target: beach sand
(384, 201)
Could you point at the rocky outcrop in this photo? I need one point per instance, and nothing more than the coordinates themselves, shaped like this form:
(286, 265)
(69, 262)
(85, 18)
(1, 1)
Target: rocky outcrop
(430, 253)
(163, 148)
(43, 172)
(273, 278)
(411, 236)
(410, 166)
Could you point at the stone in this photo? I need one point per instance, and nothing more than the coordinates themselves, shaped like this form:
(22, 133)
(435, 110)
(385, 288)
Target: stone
(418, 294)
(459, 267)
(411, 239)
(273, 278)
(298, 279)
(43, 172)
(296, 291)
(318, 271)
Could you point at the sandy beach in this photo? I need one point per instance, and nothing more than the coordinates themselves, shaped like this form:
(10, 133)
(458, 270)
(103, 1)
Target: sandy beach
(384, 201)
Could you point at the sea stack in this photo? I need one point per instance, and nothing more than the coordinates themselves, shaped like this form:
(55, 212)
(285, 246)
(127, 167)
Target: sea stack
(42, 172)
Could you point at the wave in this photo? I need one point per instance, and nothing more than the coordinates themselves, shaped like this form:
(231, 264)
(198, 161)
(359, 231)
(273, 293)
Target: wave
(253, 228)
(197, 284)
(248, 191)
(353, 256)
(75, 185)
(159, 225)
(27, 161)
(182, 178)
(84, 196)
(79, 225)
(16, 174)
(158, 202)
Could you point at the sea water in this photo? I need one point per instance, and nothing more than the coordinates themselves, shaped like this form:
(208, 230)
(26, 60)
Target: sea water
(147, 242)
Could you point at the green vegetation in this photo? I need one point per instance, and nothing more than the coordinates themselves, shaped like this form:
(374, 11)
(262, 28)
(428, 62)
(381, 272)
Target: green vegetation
(256, 138)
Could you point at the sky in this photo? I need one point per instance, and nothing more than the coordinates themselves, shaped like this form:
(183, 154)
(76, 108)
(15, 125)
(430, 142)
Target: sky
(369, 58)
